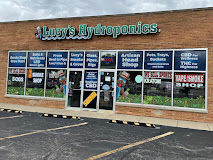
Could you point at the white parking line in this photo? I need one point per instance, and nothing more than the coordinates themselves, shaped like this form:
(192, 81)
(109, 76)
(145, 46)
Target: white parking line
(11, 117)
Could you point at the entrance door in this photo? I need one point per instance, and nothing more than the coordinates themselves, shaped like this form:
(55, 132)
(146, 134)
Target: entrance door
(74, 89)
(107, 87)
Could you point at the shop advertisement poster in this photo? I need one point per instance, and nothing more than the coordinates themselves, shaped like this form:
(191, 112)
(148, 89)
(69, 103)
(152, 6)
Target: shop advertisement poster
(189, 80)
(92, 59)
(76, 59)
(158, 60)
(167, 75)
(57, 59)
(91, 80)
(130, 60)
(36, 59)
(190, 60)
(17, 59)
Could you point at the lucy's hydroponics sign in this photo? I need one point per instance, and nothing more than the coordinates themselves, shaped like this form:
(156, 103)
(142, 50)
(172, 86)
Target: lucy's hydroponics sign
(86, 32)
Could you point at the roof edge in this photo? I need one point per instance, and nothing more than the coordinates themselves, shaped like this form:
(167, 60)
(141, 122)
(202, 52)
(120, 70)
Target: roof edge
(115, 15)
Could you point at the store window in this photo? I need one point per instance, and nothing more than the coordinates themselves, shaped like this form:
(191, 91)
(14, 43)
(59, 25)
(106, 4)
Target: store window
(56, 83)
(15, 81)
(129, 86)
(108, 60)
(189, 90)
(157, 88)
(35, 82)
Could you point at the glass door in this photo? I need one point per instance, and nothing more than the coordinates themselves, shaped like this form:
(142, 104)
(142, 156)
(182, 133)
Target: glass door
(74, 89)
(107, 87)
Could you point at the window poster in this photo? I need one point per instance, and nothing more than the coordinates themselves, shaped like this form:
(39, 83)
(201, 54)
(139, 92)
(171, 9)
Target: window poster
(130, 59)
(57, 59)
(76, 59)
(158, 60)
(91, 80)
(190, 60)
(91, 59)
(17, 59)
(36, 59)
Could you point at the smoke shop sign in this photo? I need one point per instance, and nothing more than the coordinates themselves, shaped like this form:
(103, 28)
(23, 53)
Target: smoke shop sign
(86, 32)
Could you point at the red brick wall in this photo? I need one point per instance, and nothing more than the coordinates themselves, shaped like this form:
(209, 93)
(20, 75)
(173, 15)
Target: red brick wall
(191, 29)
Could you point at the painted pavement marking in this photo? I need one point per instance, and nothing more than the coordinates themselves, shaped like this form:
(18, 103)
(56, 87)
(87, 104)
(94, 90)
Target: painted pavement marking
(11, 117)
(46, 130)
(129, 146)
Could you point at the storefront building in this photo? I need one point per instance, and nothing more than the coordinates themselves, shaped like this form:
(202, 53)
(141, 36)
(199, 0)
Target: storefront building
(148, 64)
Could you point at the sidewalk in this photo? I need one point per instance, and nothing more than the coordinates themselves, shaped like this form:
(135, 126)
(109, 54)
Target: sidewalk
(132, 118)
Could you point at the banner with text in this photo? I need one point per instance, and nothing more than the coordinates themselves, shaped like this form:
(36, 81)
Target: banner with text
(76, 59)
(57, 59)
(92, 59)
(130, 60)
(17, 59)
(158, 60)
(36, 59)
(190, 60)
(91, 80)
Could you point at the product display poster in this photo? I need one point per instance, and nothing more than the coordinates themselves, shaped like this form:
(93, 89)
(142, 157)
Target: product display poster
(57, 59)
(190, 60)
(17, 59)
(36, 59)
(76, 59)
(91, 80)
(92, 59)
(130, 60)
(158, 60)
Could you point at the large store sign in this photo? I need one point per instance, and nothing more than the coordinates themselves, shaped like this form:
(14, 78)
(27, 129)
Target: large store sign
(190, 60)
(86, 32)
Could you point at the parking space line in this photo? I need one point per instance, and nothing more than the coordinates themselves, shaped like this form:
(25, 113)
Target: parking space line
(11, 117)
(129, 146)
(40, 131)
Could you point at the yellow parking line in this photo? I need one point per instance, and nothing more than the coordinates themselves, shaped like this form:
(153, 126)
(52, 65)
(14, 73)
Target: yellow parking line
(40, 131)
(129, 146)
(11, 117)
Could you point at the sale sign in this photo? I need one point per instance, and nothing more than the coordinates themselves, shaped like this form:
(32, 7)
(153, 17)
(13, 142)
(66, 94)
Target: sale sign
(189, 78)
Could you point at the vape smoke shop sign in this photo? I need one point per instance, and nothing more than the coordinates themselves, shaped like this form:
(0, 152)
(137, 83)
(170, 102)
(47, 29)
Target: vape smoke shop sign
(86, 32)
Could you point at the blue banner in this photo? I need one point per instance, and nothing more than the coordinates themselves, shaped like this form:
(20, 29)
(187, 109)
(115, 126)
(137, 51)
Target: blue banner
(130, 60)
(158, 60)
(91, 80)
(17, 59)
(76, 59)
(91, 59)
(57, 59)
(36, 59)
(190, 60)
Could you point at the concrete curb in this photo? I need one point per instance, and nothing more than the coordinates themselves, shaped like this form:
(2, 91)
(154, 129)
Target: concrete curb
(9, 110)
(60, 116)
(133, 123)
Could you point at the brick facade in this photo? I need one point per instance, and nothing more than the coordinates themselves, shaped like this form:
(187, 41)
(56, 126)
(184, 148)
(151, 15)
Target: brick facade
(179, 29)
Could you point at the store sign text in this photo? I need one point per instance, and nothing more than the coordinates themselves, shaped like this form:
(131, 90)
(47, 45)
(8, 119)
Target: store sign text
(86, 32)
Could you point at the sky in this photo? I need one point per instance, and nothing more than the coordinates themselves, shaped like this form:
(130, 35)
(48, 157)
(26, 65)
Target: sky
(19, 10)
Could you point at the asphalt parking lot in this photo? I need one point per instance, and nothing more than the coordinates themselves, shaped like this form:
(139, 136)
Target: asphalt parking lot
(32, 136)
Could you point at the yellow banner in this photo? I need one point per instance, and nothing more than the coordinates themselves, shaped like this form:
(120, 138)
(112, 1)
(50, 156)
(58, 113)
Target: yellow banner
(90, 98)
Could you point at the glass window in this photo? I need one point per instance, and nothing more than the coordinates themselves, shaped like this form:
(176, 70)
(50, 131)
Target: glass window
(157, 88)
(35, 82)
(108, 60)
(15, 82)
(189, 90)
(129, 85)
(56, 83)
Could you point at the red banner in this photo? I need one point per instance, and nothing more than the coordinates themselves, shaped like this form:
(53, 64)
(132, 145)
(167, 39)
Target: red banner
(189, 78)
